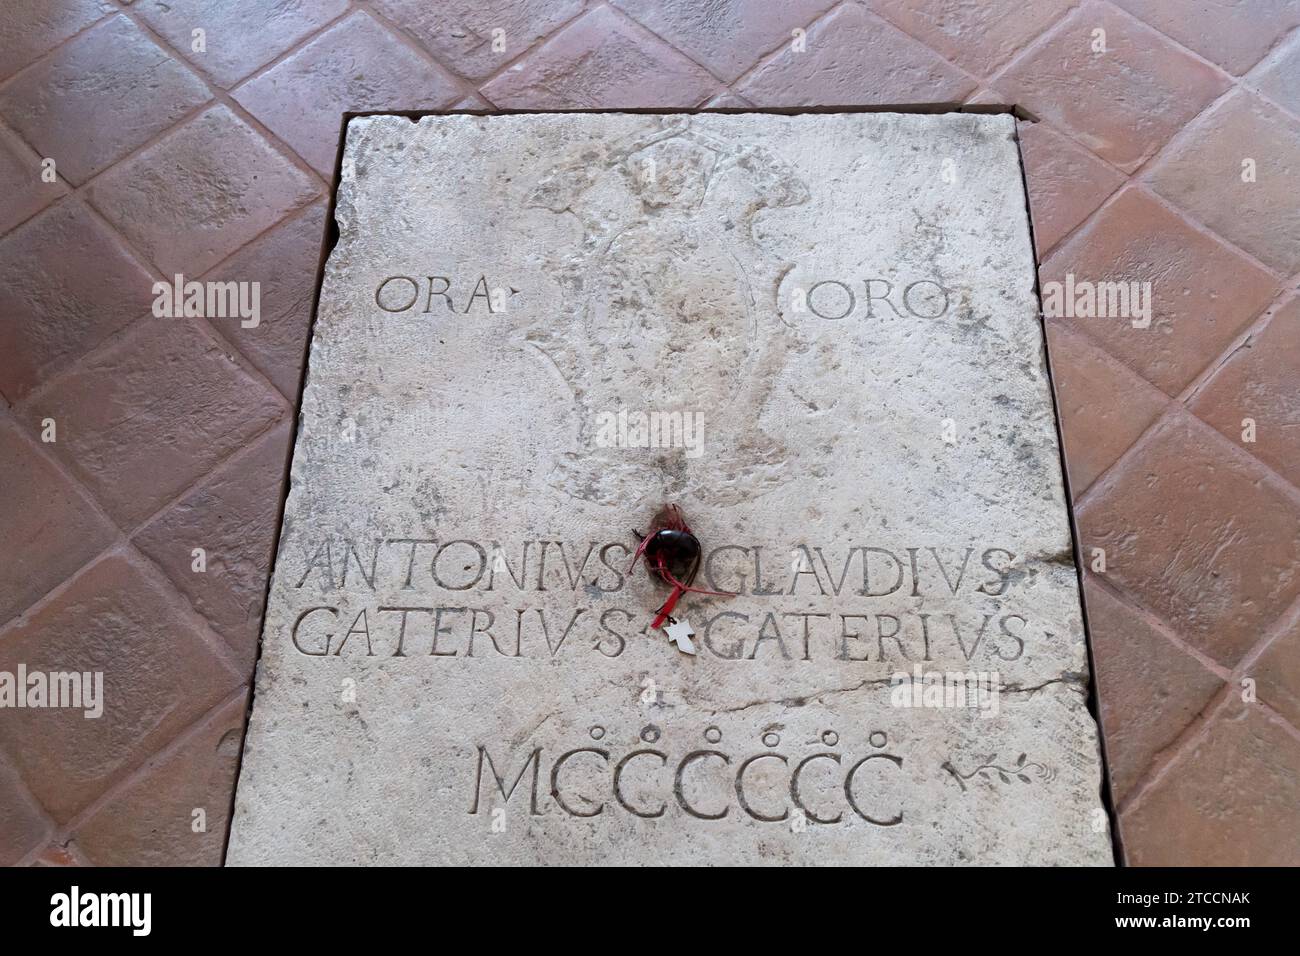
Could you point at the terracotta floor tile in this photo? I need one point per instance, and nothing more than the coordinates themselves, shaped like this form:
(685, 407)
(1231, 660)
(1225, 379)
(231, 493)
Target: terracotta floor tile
(355, 65)
(855, 57)
(31, 28)
(460, 32)
(1259, 381)
(1202, 173)
(233, 518)
(601, 60)
(1277, 674)
(201, 192)
(144, 418)
(284, 262)
(1279, 77)
(239, 35)
(1123, 104)
(99, 97)
(472, 102)
(978, 36)
(729, 100)
(1201, 294)
(66, 284)
(728, 36)
(48, 527)
(1066, 183)
(23, 193)
(986, 96)
(1229, 801)
(151, 822)
(1103, 406)
(1234, 35)
(1198, 534)
(62, 853)
(23, 826)
(1148, 688)
(158, 677)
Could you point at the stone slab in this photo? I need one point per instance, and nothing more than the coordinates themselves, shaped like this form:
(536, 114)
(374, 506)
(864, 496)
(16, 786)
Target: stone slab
(839, 310)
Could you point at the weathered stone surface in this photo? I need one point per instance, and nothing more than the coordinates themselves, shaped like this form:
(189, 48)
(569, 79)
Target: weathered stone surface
(883, 489)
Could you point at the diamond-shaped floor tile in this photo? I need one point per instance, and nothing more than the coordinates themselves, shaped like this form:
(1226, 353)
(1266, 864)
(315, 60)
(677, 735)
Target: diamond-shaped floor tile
(201, 192)
(233, 517)
(152, 821)
(141, 420)
(23, 826)
(1148, 688)
(284, 263)
(1202, 294)
(478, 37)
(1253, 399)
(355, 65)
(855, 58)
(1199, 534)
(1237, 169)
(48, 525)
(1234, 35)
(157, 676)
(601, 60)
(979, 37)
(1123, 102)
(99, 97)
(1066, 183)
(1103, 406)
(238, 35)
(23, 191)
(727, 36)
(1277, 673)
(1230, 800)
(66, 284)
(31, 28)
(1279, 77)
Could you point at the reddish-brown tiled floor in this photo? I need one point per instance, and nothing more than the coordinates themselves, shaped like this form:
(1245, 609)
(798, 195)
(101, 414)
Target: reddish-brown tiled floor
(1167, 150)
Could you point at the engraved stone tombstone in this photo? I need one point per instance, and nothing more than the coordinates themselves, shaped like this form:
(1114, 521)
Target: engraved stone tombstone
(816, 334)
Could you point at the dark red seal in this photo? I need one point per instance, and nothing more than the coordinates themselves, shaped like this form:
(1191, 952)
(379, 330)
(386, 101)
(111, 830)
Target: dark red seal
(672, 553)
